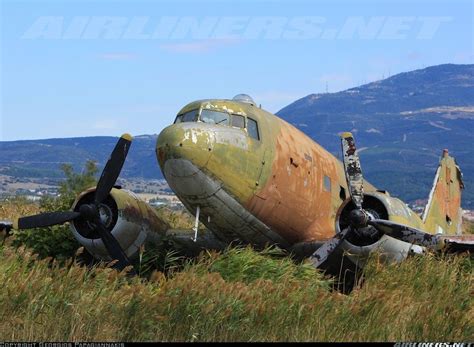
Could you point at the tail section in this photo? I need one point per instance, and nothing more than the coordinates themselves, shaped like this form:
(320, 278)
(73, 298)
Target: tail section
(443, 212)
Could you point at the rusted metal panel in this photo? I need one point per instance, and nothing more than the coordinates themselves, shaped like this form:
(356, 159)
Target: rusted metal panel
(293, 200)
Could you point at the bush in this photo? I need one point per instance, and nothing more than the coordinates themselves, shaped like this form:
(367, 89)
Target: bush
(56, 241)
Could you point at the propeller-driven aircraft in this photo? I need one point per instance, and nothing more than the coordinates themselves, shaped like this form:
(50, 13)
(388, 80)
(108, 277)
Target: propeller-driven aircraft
(252, 178)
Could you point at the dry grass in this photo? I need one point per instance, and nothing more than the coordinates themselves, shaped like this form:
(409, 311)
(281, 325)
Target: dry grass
(265, 299)
(17, 207)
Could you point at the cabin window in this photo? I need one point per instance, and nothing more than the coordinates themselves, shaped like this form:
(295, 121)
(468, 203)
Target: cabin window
(327, 183)
(252, 128)
(238, 121)
(215, 117)
(190, 116)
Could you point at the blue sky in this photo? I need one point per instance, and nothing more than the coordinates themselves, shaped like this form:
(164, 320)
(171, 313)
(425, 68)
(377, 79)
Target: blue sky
(71, 68)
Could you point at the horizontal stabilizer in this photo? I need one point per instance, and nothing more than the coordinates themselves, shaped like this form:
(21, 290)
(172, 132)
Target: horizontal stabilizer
(458, 244)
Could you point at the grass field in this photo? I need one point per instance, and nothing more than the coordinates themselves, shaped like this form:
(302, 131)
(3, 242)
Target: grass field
(237, 295)
(240, 295)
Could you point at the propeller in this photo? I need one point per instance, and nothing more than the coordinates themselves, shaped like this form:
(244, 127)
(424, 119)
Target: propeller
(92, 212)
(360, 219)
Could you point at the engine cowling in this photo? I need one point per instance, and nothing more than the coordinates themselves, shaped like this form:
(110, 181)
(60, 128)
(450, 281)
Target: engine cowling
(380, 205)
(130, 220)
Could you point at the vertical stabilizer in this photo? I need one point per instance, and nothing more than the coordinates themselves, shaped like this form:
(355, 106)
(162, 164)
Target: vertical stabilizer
(443, 212)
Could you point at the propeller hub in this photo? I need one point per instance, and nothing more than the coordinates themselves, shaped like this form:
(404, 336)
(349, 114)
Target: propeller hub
(359, 218)
(88, 211)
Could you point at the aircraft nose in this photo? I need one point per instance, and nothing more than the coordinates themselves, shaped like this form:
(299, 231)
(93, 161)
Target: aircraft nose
(190, 141)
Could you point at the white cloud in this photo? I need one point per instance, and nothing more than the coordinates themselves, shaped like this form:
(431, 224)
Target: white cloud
(118, 56)
(201, 46)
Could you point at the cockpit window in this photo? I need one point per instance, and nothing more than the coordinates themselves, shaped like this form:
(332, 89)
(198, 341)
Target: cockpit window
(215, 117)
(238, 121)
(221, 118)
(190, 116)
(252, 128)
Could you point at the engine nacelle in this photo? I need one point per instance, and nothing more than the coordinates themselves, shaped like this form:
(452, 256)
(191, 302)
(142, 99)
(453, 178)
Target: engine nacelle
(381, 206)
(130, 220)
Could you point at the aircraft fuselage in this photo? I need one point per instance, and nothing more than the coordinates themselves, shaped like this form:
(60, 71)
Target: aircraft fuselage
(255, 177)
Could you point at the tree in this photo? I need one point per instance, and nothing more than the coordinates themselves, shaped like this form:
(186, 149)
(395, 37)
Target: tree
(76, 183)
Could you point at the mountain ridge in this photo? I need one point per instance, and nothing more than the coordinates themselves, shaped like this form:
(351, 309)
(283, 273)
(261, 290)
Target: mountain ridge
(401, 124)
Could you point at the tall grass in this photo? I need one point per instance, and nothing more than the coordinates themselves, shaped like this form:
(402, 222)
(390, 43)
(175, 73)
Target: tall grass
(239, 295)
(180, 219)
(17, 206)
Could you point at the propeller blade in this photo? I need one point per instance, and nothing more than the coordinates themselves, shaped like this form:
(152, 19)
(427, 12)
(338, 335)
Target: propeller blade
(408, 234)
(352, 169)
(114, 249)
(112, 168)
(45, 219)
(323, 252)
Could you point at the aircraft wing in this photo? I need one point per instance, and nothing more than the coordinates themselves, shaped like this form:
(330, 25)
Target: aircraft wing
(183, 240)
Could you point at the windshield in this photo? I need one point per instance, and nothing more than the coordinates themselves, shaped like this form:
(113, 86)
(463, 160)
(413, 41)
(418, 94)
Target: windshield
(190, 116)
(221, 118)
(238, 121)
(215, 117)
